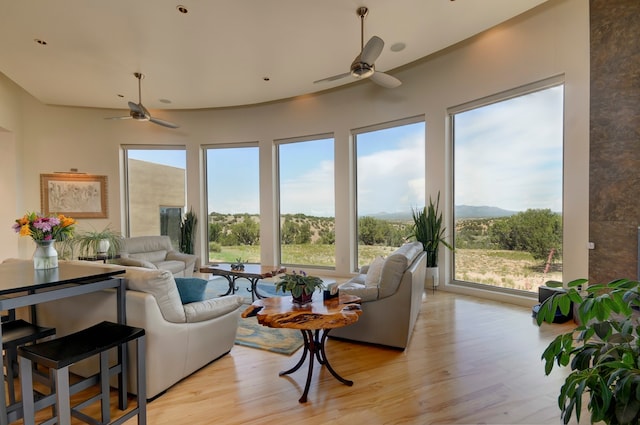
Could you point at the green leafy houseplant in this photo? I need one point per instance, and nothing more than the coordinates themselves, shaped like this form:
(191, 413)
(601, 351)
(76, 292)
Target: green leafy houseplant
(299, 283)
(429, 230)
(188, 232)
(88, 242)
(603, 351)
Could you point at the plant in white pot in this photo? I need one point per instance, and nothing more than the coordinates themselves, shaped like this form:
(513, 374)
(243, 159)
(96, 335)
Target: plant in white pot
(429, 230)
(105, 242)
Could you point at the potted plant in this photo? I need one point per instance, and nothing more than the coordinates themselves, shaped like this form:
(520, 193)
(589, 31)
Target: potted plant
(93, 243)
(428, 230)
(187, 232)
(301, 286)
(603, 351)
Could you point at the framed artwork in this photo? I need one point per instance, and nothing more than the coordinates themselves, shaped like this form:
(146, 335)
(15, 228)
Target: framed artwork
(74, 194)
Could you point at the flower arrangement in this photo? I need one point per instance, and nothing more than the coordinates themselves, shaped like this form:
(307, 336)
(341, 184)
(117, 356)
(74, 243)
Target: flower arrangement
(299, 283)
(43, 228)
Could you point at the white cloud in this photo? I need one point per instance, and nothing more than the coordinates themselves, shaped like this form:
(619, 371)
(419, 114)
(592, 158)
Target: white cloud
(509, 154)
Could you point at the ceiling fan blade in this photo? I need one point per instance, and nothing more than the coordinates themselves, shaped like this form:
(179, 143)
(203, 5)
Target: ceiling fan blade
(118, 118)
(372, 50)
(163, 123)
(385, 80)
(136, 107)
(335, 77)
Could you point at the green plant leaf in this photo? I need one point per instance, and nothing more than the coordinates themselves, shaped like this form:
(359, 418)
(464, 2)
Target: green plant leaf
(626, 412)
(602, 329)
(577, 282)
(565, 304)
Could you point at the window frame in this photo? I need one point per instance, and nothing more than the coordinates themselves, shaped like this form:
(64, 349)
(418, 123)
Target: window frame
(354, 166)
(124, 149)
(277, 187)
(523, 90)
(205, 186)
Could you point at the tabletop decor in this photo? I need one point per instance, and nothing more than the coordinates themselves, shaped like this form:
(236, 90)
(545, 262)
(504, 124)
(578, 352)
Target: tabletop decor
(301, 286)
(239, 264)
(45, 231)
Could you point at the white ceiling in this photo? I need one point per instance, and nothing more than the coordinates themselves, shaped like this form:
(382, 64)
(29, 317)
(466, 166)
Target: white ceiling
(219, 53)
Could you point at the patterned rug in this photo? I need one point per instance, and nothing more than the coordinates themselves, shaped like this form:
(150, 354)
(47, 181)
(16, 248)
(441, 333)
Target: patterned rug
(250, 333)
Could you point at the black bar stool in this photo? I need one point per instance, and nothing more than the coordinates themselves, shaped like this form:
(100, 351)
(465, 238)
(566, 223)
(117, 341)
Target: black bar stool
(60, 353)
(14, 334)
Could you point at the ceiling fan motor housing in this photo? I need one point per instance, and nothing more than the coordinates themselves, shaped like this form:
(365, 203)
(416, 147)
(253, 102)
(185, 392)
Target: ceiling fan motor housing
(361, 70)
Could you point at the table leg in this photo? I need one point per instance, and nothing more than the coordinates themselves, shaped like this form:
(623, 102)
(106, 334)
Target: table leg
(121, 304)
(322, 359)
(232, 285)
(302, 358)
(254, 289)
(314, 346)
(4, 420)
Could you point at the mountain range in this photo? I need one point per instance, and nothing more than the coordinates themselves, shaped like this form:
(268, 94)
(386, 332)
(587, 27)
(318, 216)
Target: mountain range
(462, 211)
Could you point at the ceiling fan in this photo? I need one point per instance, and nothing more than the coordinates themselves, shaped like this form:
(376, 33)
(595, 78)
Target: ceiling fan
(138, 112)
(363, 65)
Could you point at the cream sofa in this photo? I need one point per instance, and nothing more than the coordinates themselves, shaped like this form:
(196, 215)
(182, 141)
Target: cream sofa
(180, 338)
(155, 252)
(390, 303)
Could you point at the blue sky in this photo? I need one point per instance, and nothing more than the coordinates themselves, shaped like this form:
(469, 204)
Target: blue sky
(507, 154)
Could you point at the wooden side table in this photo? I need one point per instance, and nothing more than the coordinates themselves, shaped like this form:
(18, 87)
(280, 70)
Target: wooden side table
(314, 321)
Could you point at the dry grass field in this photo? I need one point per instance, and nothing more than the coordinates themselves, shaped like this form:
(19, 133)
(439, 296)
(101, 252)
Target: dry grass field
(507, 269)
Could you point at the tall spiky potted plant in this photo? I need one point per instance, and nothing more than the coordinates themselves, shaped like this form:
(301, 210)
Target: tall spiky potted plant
(188, 232)
(428, 229)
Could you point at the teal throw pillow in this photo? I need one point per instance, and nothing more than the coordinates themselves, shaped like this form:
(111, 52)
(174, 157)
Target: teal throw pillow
(191, 289)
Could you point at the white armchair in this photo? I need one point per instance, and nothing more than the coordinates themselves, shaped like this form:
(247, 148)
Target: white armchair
(181, 338)
(155, 252)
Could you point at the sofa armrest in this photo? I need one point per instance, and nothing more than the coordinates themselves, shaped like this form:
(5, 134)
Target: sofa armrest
(188, 259)
(200, 311)
(133, 262)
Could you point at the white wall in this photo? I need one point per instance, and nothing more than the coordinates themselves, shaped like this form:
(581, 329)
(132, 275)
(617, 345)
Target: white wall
(550, 40)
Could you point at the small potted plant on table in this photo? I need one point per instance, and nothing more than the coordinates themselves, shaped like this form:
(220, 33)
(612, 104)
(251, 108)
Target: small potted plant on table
(98, 243)
(301, 286)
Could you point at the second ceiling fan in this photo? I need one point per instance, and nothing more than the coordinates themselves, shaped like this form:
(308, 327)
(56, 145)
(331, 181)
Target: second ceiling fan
(363, 65)
(138, 112)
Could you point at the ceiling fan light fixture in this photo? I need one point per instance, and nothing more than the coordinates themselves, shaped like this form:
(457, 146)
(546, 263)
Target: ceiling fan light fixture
(362, 70)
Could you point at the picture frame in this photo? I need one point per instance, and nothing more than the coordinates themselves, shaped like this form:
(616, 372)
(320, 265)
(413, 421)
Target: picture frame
(77, 195)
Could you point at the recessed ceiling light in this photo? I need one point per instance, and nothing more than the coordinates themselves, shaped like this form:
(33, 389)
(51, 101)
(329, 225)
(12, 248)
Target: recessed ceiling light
(182, 9)
(398, 47)
(40, 41)
(164, 100)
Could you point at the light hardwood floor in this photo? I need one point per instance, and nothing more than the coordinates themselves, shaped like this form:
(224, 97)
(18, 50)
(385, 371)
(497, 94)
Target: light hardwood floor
(470, 361)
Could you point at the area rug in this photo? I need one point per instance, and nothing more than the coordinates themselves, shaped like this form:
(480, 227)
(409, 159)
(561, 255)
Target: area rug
(277, 340)
(250, 332)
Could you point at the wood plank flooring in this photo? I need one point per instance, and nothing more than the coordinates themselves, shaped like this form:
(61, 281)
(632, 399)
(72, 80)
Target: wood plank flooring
(469, 361)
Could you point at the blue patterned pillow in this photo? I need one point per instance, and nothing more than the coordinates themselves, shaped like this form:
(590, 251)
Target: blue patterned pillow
(191, 289)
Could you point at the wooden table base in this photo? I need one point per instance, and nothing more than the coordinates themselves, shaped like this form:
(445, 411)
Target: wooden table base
(314, 347)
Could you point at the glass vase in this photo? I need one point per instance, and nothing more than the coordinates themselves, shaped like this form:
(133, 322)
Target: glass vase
(45, 255)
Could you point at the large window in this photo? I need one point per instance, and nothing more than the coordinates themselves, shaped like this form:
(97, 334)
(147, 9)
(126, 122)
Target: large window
(156, 190)
(307, 201)
(390, 183)
(233, 203)
(508, 188)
